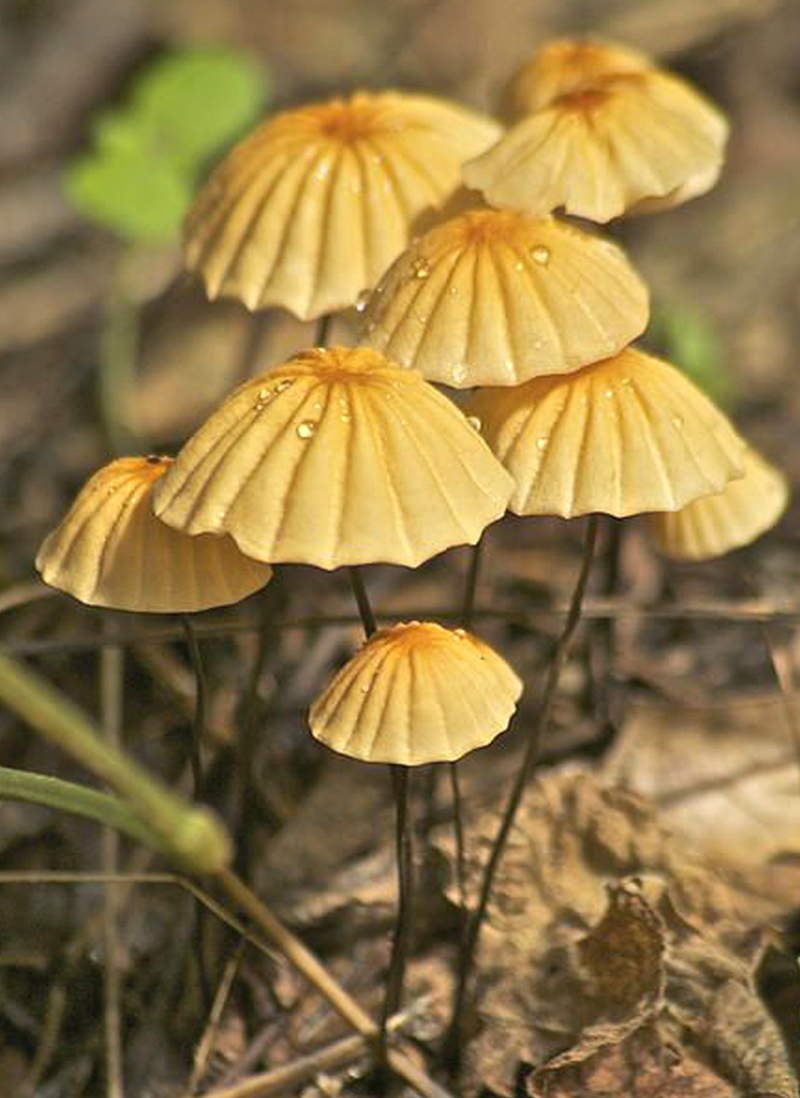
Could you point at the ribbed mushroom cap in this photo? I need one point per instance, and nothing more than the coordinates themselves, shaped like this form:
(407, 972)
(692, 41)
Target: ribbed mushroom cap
(567, 65)
(110, 550)
(310, 209)
(337, 457)
(623, 436)
(416, 693)
(599, 151)
(714, 525)
(495, 297)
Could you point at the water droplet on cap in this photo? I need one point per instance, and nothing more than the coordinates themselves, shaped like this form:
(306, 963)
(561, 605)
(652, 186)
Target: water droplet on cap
(420, 268)
(542, 443)
(541, 254)
(306, 429)
(362, 300)
(678, 421)
(474, 422)
(282, 386)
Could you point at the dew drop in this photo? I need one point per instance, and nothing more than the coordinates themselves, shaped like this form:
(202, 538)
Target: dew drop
(460, 633)
(420, 268)
(345, 417)
(474, 422)
(541, 255)
(362, 300)
(542, 443)
(519, 265)
(421, 318)
(453, 290)
(282, 386)
(459, 372)
(365, 689)
(626, 381)
(609, 393)
(678, 422)
(306, 429)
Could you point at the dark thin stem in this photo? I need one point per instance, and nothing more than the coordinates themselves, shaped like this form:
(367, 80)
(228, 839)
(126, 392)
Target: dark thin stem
(362, 601)
(453, 1040)
(323, 330)
(405, 888)
(198, 734)
(458, 829)
(200, 705)
(471, 584)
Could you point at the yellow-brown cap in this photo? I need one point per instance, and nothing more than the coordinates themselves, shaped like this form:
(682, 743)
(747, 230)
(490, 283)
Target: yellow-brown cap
(623, 436)
(601, 150)
(309, 210)
(416, 693)
(337, 457)
(715, 525)
(110, 550)
(564, 66)
(495, 297)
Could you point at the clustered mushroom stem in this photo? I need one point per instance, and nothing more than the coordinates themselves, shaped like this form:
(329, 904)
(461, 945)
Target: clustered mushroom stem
(452, 1044)
(323, 330)
(200, 705)
(403, 854)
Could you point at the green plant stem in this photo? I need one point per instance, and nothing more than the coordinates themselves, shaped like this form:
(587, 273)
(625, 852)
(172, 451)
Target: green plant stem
(116, 379)
(453, 1039)
(91, 804)
(192, 834)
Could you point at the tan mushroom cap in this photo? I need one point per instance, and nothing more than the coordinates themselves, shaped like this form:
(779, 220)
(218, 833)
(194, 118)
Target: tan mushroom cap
(623, 436)
(110, 550)
(495, 297)
(310, 209)
(736, 516)
(599, 151)
(337, 457)
(564, 66)
(416, 693)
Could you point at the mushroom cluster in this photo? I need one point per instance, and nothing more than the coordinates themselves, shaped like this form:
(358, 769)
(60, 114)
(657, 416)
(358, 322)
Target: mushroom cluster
(344, 456)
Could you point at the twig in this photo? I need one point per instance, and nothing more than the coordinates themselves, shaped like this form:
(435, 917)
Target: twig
(206, 1043)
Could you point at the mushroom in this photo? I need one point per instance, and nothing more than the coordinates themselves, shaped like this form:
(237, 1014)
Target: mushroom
(714, 525)
(416, 693)
(623, 436)
(605, 145)
(496, 297)
(309, 210)
(110, 550)
(337, 457)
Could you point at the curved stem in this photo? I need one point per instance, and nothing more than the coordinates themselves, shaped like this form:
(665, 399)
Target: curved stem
(469, 947)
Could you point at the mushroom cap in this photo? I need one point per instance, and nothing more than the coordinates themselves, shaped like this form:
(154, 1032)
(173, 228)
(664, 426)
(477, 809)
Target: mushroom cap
(495, 297)
(714, 525)
(567, 65)
(337, 457)
(309, 210)
(601, 150)
(623, 436)
(416, 693)
(110, 550)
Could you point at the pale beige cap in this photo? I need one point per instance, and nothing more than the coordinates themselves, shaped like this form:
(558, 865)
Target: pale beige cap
(310, 209)
(714, 525)
(495, 297)
(337, 457)
(601, 150)
(623, 436)
(417, 693)
(110, 550)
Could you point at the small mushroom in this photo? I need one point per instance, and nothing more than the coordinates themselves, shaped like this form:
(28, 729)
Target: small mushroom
(110, 550)
(336, 458)
(416, 693)
(496, 297)
(714, 525)
(309, 210)
(623, 436)
(606, 146)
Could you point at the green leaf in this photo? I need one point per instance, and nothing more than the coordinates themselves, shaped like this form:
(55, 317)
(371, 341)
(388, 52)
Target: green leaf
(140, 198)
(139, 176)
(196, 101)
(690, 341)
